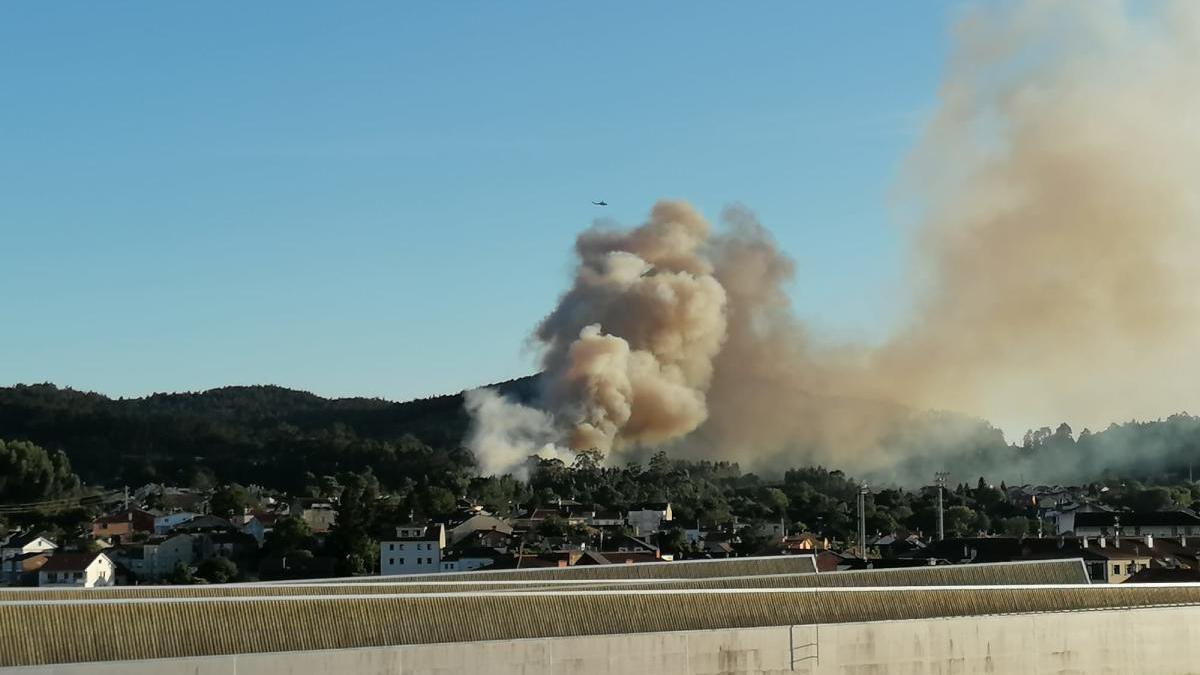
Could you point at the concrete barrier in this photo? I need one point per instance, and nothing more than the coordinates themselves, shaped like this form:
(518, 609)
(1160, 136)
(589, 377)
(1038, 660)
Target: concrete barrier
(1158, 640)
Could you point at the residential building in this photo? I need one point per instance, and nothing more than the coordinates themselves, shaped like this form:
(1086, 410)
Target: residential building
(772, 529)
(1111, 523)
(233, 545)
(625, 549)
(319, 514)
(21, 570)
(258, 525)
(206, 523)
(717, 549)
(20, 544)
(606, 519)
(81, 570)
(648, 518)
(417, 549)
(534, 517)
(805, 542)
(896, 545)
(476, 523)
(469, 558)
(1114, 561)
(157, 557)
(124, 524)
(169, 521)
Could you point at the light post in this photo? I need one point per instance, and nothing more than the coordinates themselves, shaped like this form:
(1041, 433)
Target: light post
(862, 520)
(940, 478)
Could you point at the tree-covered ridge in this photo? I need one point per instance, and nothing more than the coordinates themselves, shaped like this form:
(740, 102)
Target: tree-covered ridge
(289, 440)
(259, 434)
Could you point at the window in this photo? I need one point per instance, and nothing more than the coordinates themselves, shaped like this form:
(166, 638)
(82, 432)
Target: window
(391, 561)
(402, 561)
(391, 547)
(1116, 569)
(401, 546)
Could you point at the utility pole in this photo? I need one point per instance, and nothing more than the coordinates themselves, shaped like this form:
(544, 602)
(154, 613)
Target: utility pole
(862, 520)
(940, 478)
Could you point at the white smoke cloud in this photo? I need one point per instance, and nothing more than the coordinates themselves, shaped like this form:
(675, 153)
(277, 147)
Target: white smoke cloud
(505, 434)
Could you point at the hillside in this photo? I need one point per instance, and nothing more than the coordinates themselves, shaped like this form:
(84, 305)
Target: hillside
(251, 434)
(288, 439)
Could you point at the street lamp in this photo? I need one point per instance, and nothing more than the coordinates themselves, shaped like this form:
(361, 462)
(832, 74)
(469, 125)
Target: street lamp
(940, 478)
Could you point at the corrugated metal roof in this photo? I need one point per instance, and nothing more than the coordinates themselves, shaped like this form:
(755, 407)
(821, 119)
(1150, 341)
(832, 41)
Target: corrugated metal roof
(684, 569)
(1069, 571)
(41, 633)
(1038, 572)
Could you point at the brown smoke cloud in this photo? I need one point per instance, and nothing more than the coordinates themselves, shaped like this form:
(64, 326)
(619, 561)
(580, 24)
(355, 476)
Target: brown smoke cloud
(1057, 194)
(629, 348)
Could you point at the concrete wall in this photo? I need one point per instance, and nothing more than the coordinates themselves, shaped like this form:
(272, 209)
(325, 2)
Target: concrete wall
(1158, 641)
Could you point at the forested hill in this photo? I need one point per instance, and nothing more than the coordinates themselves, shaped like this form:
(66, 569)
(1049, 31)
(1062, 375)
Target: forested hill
(257, 434)
(286, 439)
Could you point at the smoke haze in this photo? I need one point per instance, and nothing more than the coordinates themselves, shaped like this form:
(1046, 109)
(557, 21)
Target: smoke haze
(1052, 269)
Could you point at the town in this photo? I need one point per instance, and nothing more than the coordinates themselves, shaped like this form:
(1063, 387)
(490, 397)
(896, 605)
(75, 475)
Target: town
(156, 534)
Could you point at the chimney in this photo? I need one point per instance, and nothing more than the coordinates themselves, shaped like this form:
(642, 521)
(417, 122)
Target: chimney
(1102, 541)
(1149, 541)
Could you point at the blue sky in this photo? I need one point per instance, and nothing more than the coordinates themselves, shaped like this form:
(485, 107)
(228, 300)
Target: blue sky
(379, 198)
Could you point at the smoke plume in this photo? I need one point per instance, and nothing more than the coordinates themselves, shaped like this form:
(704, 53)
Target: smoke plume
(1052, 270)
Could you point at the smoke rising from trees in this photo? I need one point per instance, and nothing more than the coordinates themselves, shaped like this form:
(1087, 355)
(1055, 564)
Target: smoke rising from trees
(1052, 266)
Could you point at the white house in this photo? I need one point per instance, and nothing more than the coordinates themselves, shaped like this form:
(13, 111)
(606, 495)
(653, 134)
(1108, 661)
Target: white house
(80, 570)
(606, 519)
(647, 518)
(28, 542)
(417, 549)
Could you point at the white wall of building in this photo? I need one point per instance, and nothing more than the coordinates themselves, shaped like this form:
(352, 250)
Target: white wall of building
(410, 557)
(101, 572)
(1158, 641)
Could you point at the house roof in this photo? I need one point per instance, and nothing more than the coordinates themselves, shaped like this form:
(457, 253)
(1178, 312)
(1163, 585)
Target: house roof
(25, 538)
(472, 552)
(717, 547)
(29, 556)
(593, 558)
(267, 518)
(1137, 519)
(614, 544)
(138, 516)
(206, 522)
(70, 562)
(630, 557)
(997, 549)
(1159, 575)
(479, 523)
